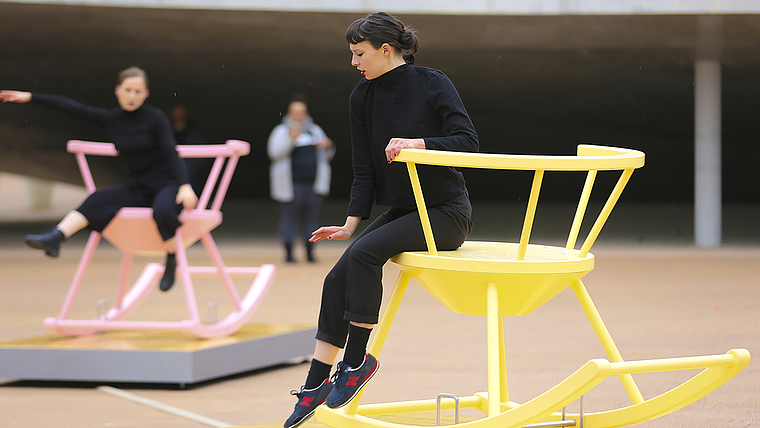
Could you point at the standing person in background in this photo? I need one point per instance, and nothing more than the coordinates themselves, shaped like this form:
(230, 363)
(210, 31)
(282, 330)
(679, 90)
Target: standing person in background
(396, 105)
(186, 132)
(156, 176)
(299, 174)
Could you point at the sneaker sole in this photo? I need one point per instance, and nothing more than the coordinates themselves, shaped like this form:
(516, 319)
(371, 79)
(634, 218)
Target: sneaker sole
(369, 378)
(305, 418)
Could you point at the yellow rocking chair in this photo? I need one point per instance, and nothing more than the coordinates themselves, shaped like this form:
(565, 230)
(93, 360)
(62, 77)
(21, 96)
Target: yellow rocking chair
(497, 279)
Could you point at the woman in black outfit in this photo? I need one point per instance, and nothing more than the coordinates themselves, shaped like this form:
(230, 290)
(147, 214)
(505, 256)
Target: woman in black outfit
(396, 105)
(157, 177)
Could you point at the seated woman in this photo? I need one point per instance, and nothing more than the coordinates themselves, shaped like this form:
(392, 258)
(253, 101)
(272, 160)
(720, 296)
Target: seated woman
(157, 177)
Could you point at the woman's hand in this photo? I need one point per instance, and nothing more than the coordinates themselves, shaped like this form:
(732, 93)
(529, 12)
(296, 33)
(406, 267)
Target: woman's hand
(336, 232)
(330, 232)
(15, 97)
(396, 144)
(323, 144)
(186, 197)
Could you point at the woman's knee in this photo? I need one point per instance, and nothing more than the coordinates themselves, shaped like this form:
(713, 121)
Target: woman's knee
(365, 254)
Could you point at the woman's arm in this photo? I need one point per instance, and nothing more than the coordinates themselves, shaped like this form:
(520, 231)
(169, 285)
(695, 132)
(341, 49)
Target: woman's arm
(97, 116)
(363, 186)
(459, 132)
(168, 145)
(336, 232)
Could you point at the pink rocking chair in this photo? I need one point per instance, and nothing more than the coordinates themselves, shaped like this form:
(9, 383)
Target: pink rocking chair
(133, 231)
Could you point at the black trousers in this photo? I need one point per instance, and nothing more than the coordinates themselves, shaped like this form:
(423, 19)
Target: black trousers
(353, 289)
(100, 207)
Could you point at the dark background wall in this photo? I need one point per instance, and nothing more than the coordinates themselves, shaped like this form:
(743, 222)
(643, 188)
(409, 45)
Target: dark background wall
(538, 84)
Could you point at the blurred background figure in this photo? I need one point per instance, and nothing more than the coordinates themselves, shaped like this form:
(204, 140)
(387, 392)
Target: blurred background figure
(187, 132)
(157, 176)
(299, 174)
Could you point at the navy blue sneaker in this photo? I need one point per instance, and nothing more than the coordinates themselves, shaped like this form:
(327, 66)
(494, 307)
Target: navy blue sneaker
(308, 401)
(349, 381)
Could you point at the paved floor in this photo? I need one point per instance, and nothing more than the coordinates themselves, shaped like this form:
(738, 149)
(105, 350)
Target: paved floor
(658, 301)
(659, 296)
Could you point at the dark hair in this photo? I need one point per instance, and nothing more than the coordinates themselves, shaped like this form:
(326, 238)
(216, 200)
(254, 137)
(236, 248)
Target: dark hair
(299, 97)
(380, 28)
(133, 72)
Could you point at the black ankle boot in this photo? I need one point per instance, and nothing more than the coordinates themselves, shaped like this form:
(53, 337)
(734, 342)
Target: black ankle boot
(169, 271)
(289, 253)
(49, 241)
(310, 251)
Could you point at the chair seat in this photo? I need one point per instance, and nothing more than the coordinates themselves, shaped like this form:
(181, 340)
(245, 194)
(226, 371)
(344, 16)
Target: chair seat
(458, 278)
(133, 230)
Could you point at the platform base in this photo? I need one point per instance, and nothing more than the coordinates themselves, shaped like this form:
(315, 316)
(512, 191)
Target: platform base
(153, 357)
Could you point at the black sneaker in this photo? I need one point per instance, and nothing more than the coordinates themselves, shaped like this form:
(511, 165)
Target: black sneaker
(308, 401)
(348, 381)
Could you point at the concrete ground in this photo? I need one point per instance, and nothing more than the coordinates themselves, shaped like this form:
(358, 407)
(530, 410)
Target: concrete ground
(658, 299)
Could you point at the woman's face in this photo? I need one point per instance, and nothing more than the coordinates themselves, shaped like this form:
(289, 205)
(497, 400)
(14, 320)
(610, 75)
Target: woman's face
(369, 61)
(131, 93)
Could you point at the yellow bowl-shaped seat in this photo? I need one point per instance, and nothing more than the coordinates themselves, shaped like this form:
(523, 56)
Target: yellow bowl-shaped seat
(458, 279)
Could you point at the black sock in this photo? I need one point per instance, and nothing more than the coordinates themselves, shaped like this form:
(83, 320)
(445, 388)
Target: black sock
(318, 373)
(356, 346)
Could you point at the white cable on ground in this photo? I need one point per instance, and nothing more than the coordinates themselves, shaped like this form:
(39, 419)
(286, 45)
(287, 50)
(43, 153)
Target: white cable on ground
(163, 407)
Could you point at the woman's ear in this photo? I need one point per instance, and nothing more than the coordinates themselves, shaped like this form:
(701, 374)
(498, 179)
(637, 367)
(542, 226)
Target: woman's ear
(116, 90)
(386, 48)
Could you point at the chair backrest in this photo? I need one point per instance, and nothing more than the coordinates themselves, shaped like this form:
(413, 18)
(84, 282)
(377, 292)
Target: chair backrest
(231, 151)
(589, 158)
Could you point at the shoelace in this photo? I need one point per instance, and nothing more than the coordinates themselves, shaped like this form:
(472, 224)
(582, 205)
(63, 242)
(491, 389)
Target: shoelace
(296, 392)
(340, 369)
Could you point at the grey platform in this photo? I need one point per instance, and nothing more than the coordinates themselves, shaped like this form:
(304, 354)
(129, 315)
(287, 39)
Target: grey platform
(154, 357)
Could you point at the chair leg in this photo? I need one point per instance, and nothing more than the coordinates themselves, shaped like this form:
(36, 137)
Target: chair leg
(187, 283)
(216, 258)
(126, 265)
(503, 385)
(494, 352)
(604, 336)
(381, 331)
(84, 263)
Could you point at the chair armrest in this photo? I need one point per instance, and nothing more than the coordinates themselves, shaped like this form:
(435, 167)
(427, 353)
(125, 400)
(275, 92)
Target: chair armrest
(230, 148)
(91, 148)
(589, 158)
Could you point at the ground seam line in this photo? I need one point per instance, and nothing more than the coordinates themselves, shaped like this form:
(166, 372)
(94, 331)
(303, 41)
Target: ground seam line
(163, 407)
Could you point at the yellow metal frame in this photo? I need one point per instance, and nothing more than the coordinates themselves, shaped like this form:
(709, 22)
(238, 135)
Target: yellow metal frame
(511, 279)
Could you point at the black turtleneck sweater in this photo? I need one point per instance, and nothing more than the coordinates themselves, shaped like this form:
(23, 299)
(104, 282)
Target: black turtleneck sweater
(406, 102)
(143, 138)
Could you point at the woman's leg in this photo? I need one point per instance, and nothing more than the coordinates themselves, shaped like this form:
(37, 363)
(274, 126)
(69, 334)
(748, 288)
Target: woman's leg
(72, 222)
(166, 214)
(332, 326)
(288, 228)
(96, 212)
(370, 253)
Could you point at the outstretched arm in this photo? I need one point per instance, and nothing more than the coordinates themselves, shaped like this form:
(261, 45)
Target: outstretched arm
(15, 96)
(97, 116)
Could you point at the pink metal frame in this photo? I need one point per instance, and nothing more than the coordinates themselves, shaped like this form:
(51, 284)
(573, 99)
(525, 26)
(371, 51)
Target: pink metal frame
(133, 231)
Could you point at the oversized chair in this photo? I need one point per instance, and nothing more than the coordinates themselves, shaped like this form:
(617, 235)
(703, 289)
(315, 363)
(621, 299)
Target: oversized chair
(496, 279)
(134, 231)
